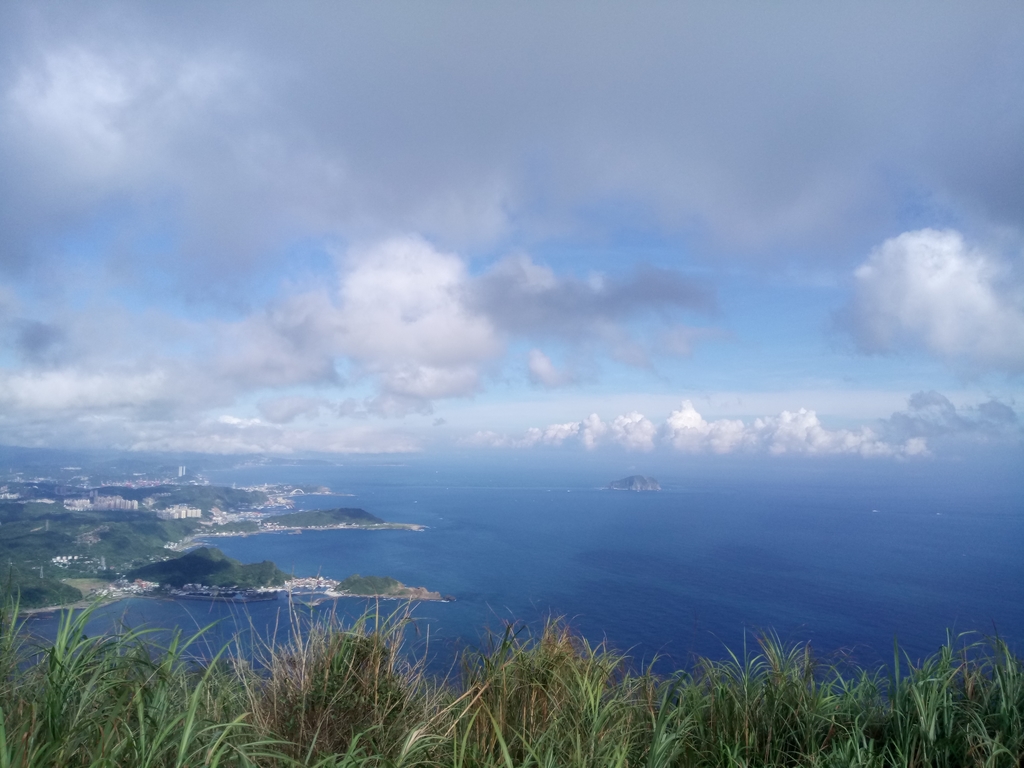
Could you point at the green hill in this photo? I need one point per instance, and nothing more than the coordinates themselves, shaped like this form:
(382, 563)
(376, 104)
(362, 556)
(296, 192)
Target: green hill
(212, 568)
(316, 517)
(371, 585)
(34, 592)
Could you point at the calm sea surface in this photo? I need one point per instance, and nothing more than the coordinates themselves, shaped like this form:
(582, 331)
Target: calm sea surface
(701, 566)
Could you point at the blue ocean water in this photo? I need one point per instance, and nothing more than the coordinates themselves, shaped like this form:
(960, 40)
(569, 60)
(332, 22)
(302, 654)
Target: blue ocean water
(847, 559)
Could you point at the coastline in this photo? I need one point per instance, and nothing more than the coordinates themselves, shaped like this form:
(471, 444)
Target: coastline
(79, 605)
(418, 594)
(411, 593)
(301, 528)
(407, 593)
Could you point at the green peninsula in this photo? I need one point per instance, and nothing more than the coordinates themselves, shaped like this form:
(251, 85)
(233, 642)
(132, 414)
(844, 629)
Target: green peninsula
(316, 518)
(212, 568)
(383, 586)
(308, 520)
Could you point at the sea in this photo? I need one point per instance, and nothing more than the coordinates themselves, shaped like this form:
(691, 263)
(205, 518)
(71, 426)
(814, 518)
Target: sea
(853, 557)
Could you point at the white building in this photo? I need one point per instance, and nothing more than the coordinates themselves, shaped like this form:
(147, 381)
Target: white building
(113, 502)
(179, 512)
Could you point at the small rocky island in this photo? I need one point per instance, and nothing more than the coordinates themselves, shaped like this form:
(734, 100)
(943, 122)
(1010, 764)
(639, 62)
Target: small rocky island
(635, 483)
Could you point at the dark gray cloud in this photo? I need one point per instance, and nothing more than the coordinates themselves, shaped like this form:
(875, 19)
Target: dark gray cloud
(932, 415)
(525, 298)
(39, 342)
(284, 410)
(815, 128)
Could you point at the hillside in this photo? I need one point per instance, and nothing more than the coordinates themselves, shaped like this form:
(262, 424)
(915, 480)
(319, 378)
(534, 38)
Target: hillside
(320, 517)
(384, 586)
(93, 544)
(210, 567)
(370, 585)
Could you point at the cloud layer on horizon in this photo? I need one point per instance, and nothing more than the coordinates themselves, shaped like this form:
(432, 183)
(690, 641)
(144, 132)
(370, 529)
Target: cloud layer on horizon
(929, 415)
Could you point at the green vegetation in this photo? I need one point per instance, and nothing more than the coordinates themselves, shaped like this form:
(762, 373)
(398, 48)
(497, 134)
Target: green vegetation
(333, 698)
(96, 543)
(105, 543)
(371, 585)
(242, 526)
(111, 543)
(35, 591)
(212, 568)
(320, 517)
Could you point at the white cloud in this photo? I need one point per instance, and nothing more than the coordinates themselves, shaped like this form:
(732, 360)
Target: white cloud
(184, 169)
(592, 430)
(59, 391)
(544, 372)
(687, 430)
(930, 288)
(554, 434)
(402, 300)
(402, 318)
(791, 432)
(633, 431)
(907, 433)
(803, 432)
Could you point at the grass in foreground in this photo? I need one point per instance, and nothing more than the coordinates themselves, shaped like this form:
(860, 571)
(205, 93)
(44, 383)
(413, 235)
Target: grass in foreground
(335, 696)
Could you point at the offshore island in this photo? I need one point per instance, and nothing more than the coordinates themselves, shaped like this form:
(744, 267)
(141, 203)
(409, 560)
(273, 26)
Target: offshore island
(310, 520)
(634, 483)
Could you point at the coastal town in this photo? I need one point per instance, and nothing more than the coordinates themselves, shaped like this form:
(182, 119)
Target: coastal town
(68, 539)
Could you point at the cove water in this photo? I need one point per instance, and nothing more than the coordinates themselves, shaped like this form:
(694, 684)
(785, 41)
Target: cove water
(846, 557)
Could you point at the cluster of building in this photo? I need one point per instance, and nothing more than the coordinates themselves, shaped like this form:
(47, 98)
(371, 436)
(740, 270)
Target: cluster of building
(101, 503)
(63, 561)
(311, 583)
(94, 502)
(179, 512)
(123, 587)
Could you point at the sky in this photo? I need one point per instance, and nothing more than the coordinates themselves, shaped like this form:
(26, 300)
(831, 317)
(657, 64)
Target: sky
(670, 229)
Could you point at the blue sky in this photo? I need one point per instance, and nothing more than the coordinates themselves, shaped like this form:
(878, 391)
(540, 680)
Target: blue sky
(661, 229)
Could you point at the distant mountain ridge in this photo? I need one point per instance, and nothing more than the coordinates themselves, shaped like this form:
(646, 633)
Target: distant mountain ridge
(635, 483)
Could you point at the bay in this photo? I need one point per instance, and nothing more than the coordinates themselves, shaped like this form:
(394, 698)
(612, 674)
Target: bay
(848, 563)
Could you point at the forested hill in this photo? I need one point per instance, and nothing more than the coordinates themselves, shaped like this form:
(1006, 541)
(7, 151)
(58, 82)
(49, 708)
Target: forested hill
(212, 568)
(317, 517)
